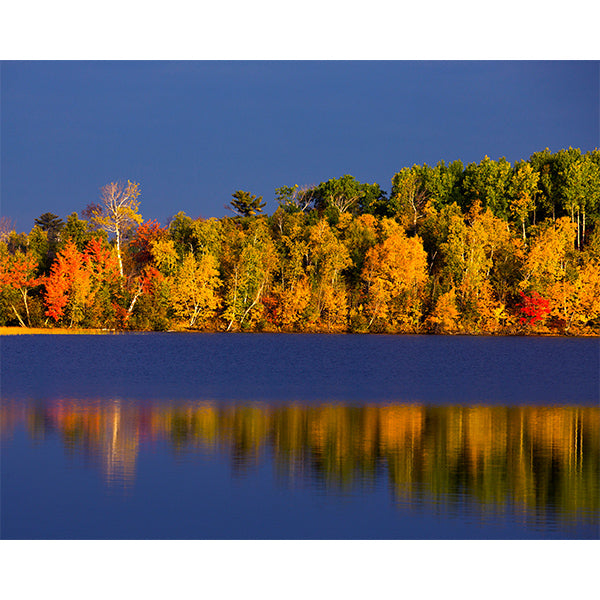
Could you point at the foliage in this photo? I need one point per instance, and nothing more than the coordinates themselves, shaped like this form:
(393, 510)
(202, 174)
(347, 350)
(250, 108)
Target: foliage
(454, 249)
(395, 272)
(194, 288)
(17, 279)
(533, 308)
(347, 194)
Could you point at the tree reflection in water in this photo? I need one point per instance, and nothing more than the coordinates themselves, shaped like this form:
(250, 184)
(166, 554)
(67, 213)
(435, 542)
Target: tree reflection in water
(531, 460)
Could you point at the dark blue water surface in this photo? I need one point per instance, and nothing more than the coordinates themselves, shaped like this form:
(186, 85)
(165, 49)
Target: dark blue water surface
(260, 436)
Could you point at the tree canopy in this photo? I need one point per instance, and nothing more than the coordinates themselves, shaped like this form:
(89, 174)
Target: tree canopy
(484, 249)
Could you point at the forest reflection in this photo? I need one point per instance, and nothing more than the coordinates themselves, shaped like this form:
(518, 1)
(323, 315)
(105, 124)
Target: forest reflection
(529, 459)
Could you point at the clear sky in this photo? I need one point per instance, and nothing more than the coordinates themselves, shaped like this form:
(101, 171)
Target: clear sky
(193, 132)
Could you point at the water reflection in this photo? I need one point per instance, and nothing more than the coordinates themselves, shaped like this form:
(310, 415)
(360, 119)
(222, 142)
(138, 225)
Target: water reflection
(532, 461)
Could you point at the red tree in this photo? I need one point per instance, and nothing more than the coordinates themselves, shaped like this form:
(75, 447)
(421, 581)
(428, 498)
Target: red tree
(533, 308)
(141, 244)
(63, 273)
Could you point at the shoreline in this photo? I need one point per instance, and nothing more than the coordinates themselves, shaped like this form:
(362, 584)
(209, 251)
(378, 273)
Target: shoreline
(17, 330)
(52, 331)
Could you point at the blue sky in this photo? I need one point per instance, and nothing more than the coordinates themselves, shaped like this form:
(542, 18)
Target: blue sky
(193, 132)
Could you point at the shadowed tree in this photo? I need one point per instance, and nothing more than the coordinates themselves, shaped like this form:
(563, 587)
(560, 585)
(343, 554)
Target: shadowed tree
(295, 199)
(346, 194)
(409, 197)
(521, 190)
(53, 227)
(50, 223)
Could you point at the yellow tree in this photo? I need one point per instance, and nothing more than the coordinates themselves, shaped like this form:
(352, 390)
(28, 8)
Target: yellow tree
(395, 272)
(548, 270)
(327, 258)
(248, 261)
(118, 212)
(409, 197)
(587, 295)
(469, 255)
(575, 302)
(165, 256)
(546, 262)
(194, 288)
(445, 316)
(291, 290)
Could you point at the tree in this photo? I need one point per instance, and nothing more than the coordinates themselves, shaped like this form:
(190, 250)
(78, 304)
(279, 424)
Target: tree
(521, 188)
(40, 247)
(17, 273)
(487, 183)
(327, 257)
(140, 247)
(395, 272)
(581, 191)
(80, 232)
(548, 190)
(194, 288)
(470, 252)
(78, 288)
(409, 197)
(445, 316)
(165, 255)
(547, 259)
(249, 259)
(294, 199)
(291, 290)
(533, 308)
(68, 285)
(246, 204)
(359, 237)
(585, 299)
(50, 223)
(118, 212)
(346, 194)
(443, 183)
(51, 227)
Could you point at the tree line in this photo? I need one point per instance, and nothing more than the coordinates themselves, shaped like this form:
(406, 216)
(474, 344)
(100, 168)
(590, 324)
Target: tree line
(485, 248)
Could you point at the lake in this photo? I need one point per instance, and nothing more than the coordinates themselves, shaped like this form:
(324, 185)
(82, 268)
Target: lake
(276, 436)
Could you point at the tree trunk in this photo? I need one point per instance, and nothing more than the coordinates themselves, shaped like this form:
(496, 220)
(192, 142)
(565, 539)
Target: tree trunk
(24, 294)
(119, 253)
(138, 293)
(18, 316)
(234, 300)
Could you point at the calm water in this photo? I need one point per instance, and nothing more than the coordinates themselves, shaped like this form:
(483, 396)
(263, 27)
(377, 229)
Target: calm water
(233, 436)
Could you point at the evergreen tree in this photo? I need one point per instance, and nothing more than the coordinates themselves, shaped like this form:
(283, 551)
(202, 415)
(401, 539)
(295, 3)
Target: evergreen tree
(246, 204)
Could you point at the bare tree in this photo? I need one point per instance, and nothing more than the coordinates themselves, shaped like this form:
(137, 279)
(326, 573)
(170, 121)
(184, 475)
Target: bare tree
(117, 212)
(6, 226)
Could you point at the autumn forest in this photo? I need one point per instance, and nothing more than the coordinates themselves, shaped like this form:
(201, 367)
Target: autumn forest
(487, 248)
